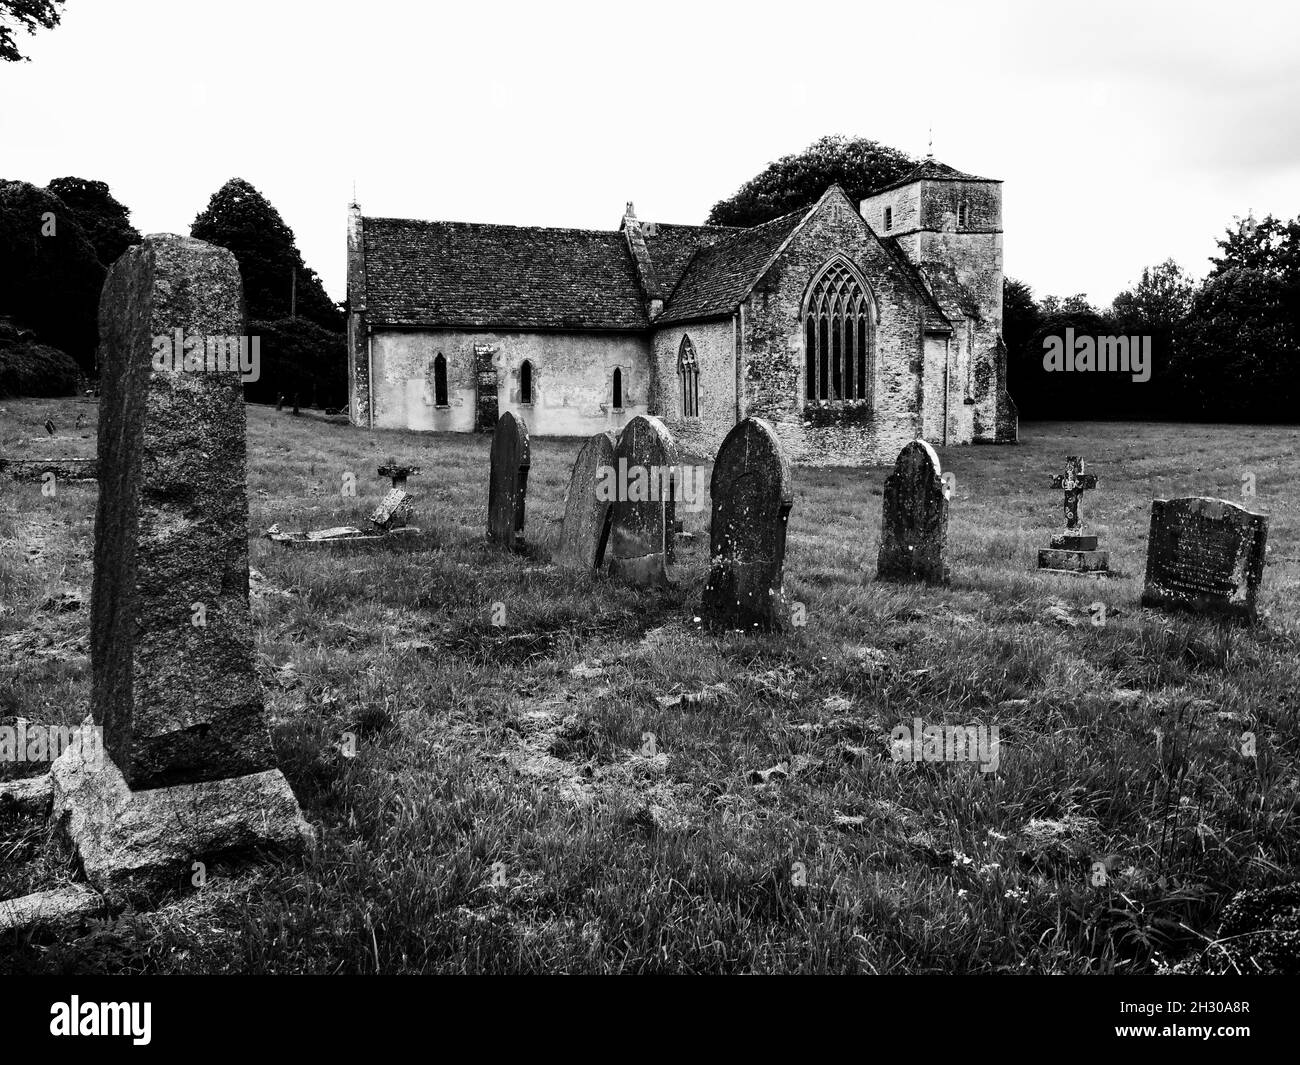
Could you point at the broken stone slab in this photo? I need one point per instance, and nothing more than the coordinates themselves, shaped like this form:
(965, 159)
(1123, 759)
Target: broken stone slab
(54, 909)
(29, 797)
(339, 538)
(149, 839)
(394, 511)
(71, 470)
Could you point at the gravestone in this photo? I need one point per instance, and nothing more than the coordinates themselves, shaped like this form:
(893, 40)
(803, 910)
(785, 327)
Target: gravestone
(187, 768)
(508, 481)
(1205, 555)
(393, 512)
(1073, 549)
(588, 507)
(641, 530)
(398, 473)
(914, 518)
(279, 403)
(751, 491)
(295, 403)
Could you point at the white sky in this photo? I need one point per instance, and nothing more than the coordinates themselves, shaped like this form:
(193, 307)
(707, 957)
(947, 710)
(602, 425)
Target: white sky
(1125, 132)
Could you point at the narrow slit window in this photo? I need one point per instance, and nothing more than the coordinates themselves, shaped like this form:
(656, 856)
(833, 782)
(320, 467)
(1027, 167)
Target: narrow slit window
(689, 372)
(526, 382)
(440, 381)
(889, 218)
(618, 389)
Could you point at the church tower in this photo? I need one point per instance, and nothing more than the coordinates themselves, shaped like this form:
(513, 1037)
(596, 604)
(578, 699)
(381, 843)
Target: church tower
(949, 225)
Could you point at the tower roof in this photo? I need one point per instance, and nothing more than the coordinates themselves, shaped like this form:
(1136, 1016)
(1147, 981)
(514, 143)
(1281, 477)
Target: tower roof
(930, 169)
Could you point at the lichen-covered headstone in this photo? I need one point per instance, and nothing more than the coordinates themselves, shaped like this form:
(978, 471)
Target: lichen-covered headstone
(914, 518)
(752, 496)
(393, 512)
(1205, 555)
(508, 481)
(642, 528)
(588, 505)
(174, 689)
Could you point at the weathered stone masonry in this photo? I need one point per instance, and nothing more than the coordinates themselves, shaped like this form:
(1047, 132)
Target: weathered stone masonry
(442, 314)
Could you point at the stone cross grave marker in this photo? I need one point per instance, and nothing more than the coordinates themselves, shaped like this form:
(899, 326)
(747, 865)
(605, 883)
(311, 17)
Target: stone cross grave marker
(1205, 555)
(1073, 550)
(187, 768)
(914, 518)
(508, 481)
(393, 512)
(644, 515)
(587, 516)
(398, 473)
(752, 495)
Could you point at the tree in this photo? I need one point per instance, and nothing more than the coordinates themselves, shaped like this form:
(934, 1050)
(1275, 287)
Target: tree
(1154, 308)
(105, 221)
(856, 164)
(50, 276)
(1236, 354)
(239, 217)
(28, 14)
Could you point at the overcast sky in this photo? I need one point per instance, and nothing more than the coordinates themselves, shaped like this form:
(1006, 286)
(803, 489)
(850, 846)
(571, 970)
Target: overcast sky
(1126, 133)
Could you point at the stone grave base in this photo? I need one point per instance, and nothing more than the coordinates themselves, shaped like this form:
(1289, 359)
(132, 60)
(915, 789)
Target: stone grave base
(645, 571)
(63, 469)
(1071, 542)
(149, 839)
(1211, 606)
(1061, 560)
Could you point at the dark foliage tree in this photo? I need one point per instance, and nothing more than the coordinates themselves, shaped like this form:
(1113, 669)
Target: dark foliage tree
(856, 164)
(299, 358)
(26, 15)
(1155, 307)
(50, 276)
(105, 221)
(1236, 355)
(240, 218)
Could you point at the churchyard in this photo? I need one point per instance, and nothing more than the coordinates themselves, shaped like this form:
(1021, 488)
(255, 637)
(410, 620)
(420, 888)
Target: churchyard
(516, 765)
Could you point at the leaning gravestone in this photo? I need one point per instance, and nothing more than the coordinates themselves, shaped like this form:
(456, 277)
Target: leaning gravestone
(508, 481)
(751, 491)
(189, 769)
(588, 507)
(1205, 555)
(642, 528)
(914, 518)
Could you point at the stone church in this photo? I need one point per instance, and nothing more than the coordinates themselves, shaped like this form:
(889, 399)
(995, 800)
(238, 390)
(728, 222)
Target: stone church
(852, 328)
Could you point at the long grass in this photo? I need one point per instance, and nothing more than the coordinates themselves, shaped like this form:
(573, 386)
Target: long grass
(533, 796)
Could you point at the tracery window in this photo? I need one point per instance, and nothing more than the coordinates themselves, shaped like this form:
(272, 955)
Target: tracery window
(839, 349)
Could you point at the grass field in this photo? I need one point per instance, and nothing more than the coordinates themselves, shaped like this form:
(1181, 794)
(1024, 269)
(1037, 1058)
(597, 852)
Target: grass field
(507, 809)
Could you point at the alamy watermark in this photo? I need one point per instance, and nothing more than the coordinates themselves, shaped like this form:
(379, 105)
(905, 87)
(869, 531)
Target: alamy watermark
(1111, 354)
(198, 353)
(25, 741)
(946, 743)
(650, 484)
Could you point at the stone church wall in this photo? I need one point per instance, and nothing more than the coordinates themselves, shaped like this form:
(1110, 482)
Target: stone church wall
(773, 367)
(714, 341)
(572, 379)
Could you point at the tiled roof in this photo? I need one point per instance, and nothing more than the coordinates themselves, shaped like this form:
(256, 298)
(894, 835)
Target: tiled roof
(932, 170)
(720, 275)
(671, 247)
(466, 274)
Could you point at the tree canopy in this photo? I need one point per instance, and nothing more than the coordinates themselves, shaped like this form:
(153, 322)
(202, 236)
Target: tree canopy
(26, 15)
(105, 221)
(240, 218)
(857, 164)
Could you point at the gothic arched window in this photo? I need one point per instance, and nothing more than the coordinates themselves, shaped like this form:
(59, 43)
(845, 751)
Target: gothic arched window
(689, 371)
(526, 382)
(839, 355)
(440, 381)
(618, 389)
